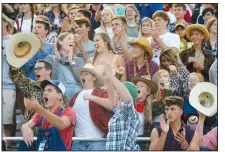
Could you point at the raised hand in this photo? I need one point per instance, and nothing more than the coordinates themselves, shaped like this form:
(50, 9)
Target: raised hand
(164, 125)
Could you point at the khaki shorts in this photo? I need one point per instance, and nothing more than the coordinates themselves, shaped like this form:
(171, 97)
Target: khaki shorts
(8, 103)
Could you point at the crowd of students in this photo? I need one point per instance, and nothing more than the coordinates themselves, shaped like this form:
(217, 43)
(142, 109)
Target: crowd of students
(114, 71)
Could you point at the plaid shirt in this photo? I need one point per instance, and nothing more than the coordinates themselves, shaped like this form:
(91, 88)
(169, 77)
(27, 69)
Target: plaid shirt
(180, 84)
(99, 115)
(208, 61)
(123, 128)
(153, 68)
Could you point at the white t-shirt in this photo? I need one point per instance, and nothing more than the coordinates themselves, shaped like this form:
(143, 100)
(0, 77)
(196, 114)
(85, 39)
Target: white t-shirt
(172, 17)
(142, 123)
(170, 40)
(84, 126)
(26, 25)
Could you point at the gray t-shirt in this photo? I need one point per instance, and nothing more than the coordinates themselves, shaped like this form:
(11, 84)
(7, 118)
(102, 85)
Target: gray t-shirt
(132, 31)
(89, 48)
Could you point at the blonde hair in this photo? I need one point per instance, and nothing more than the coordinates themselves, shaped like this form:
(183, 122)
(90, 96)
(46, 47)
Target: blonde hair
(145, 19)
(148, 109)
(200, 77)
(102, 27)
(156, 78)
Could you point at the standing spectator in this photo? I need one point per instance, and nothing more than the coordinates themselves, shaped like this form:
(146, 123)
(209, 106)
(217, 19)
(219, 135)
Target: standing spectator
(207, 13)
(210, 140)
(66, 62)
(83, 13)
(179, 11)
(106, 22)
(55, 124)
(92, 109)
(141, 64)
(86, 47)
(200, 19)
(95, 18)
(197, 58)
(212, 42)
(170, 13)
(145, 27)
(26, 22)
(117, 9)
(132, 16)
(8, 92)
(104, 50)
(147, 10)
(180, 30)
(177, 72)
(173, 134)
(56, 14)
(160, 37)
(119, 25)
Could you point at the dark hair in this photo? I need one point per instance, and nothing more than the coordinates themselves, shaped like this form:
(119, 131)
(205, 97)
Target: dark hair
(86, 13)
(48, 66)
(180, 5)
(174, 100)
(206, 10)
(32, 18)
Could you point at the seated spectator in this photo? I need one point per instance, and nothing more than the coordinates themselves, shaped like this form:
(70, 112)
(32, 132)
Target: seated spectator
(104, 51)
(180, 30)
(145, 27)
(106, 22)
(172, 130)
(132, 16)
(141, 64)
(55, 124)
(160, 37)
(177, 72)
(197, 58)
(86, 46)
(26, 22)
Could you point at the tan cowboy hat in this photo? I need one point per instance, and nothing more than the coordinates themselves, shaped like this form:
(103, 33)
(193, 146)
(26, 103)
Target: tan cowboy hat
(144, 43)
(199, 27)
(21, 47)
(90, 68)
(203, 97)
(8, 20)
(153, 86)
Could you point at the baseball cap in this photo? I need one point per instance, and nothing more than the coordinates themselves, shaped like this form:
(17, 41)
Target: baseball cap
(56, 83)
(132, 90)
(179, 24)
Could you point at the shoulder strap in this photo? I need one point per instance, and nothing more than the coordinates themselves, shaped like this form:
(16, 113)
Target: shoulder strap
(72, 102)
(58, 114)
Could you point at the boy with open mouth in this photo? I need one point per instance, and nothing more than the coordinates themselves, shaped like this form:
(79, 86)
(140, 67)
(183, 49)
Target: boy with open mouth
(55, 124)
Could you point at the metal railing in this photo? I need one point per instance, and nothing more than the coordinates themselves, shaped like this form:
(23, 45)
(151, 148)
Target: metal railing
(74, 139)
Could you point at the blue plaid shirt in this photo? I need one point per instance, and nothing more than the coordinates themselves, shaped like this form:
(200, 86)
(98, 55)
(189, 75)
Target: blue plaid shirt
(123, 129)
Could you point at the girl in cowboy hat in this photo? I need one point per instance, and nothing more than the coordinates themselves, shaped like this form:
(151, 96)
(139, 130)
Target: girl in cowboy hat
(177, 72)
(197, 58)
(104, 50)
(142, 64)
(144, 106)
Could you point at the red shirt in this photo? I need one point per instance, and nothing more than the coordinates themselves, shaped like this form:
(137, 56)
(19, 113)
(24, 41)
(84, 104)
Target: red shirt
(66, 134)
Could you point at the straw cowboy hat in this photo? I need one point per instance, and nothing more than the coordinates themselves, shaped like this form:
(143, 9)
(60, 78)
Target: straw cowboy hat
(153, 86)
(90, 68)
(21, 47)
(199, 27)
(144, 43)
(203, 97)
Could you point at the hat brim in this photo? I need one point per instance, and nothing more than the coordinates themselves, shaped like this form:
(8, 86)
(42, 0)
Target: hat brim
(197, 27)
(194, 98)
(14, 41)
(150, 83)
(99, 81)
(146, 48)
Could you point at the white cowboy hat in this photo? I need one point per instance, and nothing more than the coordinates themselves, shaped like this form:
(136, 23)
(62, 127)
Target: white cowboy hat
(21, 47)
(90, 68)
(203, 97)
